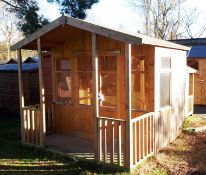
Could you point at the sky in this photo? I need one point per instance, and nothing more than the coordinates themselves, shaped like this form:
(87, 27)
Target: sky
(118, 13)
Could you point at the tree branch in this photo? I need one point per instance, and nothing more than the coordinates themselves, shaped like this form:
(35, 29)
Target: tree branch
(13, 6)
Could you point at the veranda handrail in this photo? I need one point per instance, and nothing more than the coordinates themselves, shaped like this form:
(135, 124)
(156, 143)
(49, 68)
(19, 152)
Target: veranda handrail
(142, 116)
(114, 119)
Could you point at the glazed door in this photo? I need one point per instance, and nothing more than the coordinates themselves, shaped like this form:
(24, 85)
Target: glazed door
(62, 96)
(108, 89)
(83, 118)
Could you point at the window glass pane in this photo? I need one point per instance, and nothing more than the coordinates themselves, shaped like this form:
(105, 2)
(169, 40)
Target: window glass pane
(108, 63)
(63, 64)
(139, 94)
(84, 66)
(165, 63)
(108, 89)
(85, 88)
(63, 80)
(108, 82)
(138, 91)
(138, 63)
(164, 89)
(85, 63)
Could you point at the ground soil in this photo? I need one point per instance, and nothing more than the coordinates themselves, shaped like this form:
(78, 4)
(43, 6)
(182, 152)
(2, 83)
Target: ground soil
(184, 156)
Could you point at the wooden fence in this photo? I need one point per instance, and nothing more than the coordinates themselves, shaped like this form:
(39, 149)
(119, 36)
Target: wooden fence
(111, 140)
(142, 137)
(32, 124)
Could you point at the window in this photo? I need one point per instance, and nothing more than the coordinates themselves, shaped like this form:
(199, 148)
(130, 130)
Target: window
(165, 81)
(84, 68)
(63, 80)
(108, 80)
(139, 82)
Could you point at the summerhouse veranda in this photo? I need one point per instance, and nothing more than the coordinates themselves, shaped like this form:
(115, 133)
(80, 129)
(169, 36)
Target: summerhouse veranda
(103, 95)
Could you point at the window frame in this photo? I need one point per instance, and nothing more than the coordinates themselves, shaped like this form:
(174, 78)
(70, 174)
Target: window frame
(57, 72)
(78, 56)
(110, 72)
(144, 72)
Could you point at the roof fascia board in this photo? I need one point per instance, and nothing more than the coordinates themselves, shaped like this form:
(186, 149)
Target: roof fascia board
(163, 43)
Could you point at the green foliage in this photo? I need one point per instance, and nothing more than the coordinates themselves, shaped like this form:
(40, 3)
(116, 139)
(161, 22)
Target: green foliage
(75, 8)
(29, 19)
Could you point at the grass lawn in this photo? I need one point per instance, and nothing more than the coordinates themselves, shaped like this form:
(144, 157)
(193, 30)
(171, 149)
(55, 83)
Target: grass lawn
(17, 159)
(195, 120)
(185, 156)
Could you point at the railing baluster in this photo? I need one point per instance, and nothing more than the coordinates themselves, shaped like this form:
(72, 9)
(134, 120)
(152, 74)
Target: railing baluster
(36, 124)
(139, 147)
(143, 145)
(108, 125)
(150, 131)
(119, 156)
(146, 136)
(112, 141)
(33, 123)
(100, 139)
(135, 142)
(105, 140)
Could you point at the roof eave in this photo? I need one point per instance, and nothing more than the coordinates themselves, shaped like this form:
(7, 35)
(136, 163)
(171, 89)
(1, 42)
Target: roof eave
(138, 39)
(59, 21)
(163, 43)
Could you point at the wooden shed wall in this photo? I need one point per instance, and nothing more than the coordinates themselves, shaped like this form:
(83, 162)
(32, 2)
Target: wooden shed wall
(200, 79)
(9, 90)
(177, 87)
(76, 120)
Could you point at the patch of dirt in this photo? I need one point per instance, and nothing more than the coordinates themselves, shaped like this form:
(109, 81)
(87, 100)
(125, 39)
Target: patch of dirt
(184, 156)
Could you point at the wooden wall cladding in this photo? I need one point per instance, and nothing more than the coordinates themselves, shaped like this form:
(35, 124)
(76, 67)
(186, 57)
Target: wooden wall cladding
(75, 119)
(200, 80)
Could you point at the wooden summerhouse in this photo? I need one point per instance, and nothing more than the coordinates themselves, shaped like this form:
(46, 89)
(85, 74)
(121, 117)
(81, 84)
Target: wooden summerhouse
(120, 96)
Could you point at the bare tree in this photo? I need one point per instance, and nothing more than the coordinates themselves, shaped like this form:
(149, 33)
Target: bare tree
(167, 19)
(190, 24)
(7, 26)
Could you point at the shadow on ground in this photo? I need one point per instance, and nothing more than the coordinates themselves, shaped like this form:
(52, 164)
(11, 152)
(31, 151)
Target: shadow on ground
(199, 109)
(17, 159)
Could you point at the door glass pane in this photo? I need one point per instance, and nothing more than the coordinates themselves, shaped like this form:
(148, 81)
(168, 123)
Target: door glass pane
(108, 81)
(108, 90)
(63, 80)
(62, 64)
(85, 88)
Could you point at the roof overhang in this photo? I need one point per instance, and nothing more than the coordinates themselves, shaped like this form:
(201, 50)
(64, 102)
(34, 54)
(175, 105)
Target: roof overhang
(126, 37)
